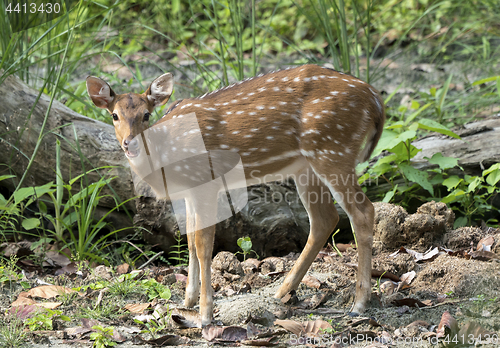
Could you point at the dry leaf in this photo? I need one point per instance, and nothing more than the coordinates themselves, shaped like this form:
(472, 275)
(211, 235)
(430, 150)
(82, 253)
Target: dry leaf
(24, 311)
(408, 277)
(49, 291)
(137, 307)
(485, 243)
(290, 325)
(447, 326)
(419, 323)
(180, 278)
(311, 282)
(123, 268)
(313, 328)
(22, 300)
(224, 333)
(410, 302)
(263, 342)
(483, 255)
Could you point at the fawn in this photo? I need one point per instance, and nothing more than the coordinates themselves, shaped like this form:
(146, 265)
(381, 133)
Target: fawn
(308, 122)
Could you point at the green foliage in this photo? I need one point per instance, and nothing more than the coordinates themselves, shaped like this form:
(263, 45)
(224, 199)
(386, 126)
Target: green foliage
(180, 254)
(156, 290)
(397, 140)
(127, 285)
(245, 245)
(45, 319)
(12, 209)
(102, 337)
(12, 334)
(472, 193)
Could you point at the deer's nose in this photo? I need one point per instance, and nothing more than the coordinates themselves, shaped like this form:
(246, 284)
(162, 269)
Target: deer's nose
(127, 141)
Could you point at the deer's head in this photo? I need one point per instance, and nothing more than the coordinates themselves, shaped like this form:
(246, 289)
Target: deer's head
(130, 111)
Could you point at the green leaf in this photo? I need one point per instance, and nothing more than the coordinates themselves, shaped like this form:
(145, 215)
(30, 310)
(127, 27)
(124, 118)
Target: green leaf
(486, 80)
(434, 126)
(245, 244)
(416, 113)
(460, 222)
(64, 318)
(402, 153)
(25, 192)
(417, 176)
(4, 177)
(442, 92)
(452, 182)
(29, 224)
(42, 207)
(493, 178)
(390, 194)
(453, 197)
(166, 294)
(443, 162)
(474, 184)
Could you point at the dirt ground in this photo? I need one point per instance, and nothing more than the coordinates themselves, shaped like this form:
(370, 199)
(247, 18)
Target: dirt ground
(430, 282)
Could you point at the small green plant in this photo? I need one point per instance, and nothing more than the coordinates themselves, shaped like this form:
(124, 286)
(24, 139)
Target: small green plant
(102, 337)
(12, 334)
(180, 252)
(472, 193)
(397, 140)
(45, 320)
(155, 289)
(245, 245)
(125, 285)
(152, 327)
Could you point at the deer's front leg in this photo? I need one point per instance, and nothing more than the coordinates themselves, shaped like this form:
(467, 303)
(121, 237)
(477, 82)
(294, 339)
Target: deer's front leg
(193, 281)
(204, 248)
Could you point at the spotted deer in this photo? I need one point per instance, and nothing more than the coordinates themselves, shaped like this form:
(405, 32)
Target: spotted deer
(310, 123)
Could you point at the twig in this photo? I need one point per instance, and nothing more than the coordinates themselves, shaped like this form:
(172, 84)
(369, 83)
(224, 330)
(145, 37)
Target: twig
(150, 260)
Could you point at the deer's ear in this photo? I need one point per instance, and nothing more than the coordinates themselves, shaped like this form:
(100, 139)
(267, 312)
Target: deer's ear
(99, 91)
(160, 90)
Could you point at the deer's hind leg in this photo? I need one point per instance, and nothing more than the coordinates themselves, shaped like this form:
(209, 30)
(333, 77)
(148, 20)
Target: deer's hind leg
(348, 194)
(323, 218)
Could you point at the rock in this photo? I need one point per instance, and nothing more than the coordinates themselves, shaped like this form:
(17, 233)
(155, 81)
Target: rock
(394, 227)
(388, 228)
(440, 212)
(462, 238)
(272, 264)
(250, 266)
(227, 262)
(421, 230)
(235, 310)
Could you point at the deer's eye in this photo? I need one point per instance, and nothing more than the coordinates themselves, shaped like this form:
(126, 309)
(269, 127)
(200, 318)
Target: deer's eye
(146, 116)
(115, 116)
